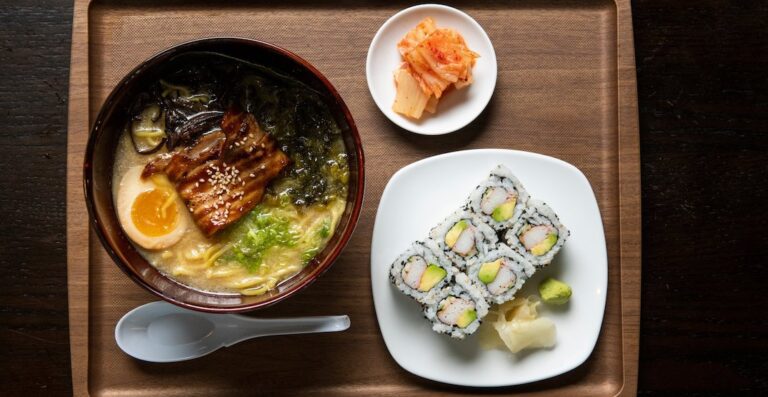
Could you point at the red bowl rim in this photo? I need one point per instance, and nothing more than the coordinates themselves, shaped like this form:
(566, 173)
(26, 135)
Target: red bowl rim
(346, 233)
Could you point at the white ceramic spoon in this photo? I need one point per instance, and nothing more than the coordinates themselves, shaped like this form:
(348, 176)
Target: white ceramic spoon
(161, 332)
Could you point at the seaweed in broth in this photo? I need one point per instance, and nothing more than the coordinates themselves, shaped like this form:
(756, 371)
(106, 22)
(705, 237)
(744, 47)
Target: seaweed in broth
(301, 207)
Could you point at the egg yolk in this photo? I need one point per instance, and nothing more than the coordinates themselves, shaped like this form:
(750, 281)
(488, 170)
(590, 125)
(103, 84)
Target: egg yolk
(154, 212)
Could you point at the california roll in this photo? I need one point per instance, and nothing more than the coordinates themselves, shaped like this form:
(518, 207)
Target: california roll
(460, 312)
(538, 235)
(463, 236)
(500, 274)
(422, 272)
(499, 200)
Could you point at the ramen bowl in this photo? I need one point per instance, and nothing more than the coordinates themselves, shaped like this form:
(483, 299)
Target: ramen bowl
(99, 169)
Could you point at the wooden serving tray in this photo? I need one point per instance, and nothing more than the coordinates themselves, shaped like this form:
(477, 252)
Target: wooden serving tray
(566, 88)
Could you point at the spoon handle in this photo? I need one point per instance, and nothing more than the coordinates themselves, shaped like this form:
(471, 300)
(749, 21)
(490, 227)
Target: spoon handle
(247, 328)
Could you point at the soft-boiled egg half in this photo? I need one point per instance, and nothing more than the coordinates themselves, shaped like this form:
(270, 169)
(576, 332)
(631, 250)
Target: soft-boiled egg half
(150, 210)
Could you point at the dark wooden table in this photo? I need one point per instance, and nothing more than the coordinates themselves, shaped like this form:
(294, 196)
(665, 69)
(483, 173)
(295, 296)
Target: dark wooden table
(703, 101)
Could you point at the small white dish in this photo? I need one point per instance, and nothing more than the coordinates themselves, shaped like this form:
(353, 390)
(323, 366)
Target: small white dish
(458, 107)
(418, 197)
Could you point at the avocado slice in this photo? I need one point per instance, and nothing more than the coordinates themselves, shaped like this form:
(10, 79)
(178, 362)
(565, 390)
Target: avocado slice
(433, 274)
(554, 291)
(504, 211)
(466, 318)
(453, 235)
(544, 246)
(488, 271)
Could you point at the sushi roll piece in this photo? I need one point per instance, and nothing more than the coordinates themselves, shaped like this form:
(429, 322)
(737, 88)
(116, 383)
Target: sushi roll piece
(499, 200)
(460, 312)
(463, 236)
(423, 272)
(539, 235)
(500, 274)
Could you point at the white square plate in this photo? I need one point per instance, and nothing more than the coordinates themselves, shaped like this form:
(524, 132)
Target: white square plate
(418, 197)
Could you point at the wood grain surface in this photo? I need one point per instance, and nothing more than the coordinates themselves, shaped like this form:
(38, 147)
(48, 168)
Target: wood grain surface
(703, 103)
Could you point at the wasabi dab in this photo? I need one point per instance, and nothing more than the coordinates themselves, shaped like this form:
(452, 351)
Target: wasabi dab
(554, 291)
